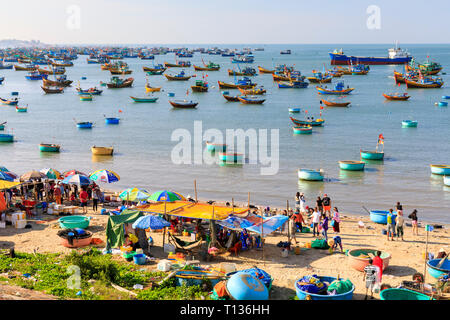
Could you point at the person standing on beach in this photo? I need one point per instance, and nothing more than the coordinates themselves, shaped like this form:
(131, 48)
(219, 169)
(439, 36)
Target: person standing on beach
(390, 225)
(57, 193)
(298, 220)
(83, 200)
(315, 220)
(378, 262)
(370, 276)
(399, 221)
(297, 200)
(336, 220)
(326, 202)
(399, 207)
(319, 204)
(302, 203)
(94, 200)
(415, 227)
(325, 226)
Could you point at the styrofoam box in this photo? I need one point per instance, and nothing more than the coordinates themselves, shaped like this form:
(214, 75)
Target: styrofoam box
(20, 224)
(2, 224)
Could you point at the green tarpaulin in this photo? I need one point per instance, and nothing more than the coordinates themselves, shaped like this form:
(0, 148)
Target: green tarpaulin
(115, 227)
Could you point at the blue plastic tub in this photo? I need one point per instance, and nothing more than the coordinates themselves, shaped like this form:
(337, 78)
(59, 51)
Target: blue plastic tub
(139, 259)
(303, 295)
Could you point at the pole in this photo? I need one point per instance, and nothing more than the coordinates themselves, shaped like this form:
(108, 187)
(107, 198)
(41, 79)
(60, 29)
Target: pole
(195, 189)
(262, 238)
(288, 221)
(232, 205)
(248, 201)
(426, 256)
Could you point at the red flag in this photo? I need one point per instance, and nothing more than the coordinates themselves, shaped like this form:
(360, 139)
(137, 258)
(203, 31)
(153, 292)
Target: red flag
(321, 108)
(306, 111)
(120, 111)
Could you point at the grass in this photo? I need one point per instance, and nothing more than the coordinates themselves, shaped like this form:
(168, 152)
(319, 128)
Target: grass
(50, 273)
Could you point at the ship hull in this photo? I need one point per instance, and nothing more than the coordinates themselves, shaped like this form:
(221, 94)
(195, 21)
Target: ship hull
(342, 59)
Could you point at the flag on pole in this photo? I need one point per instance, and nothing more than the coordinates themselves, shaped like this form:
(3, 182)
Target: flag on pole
(429, 227)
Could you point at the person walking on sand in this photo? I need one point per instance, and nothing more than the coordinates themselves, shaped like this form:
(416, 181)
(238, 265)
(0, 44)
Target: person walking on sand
(298, 221)
(326, 203)
(94, 200)
(325, 226)
(336, 220)
(415, 227)
(83, 200)
(315, 220)
(390, 225)
(399, 221)
(319, 204)
(370, 277)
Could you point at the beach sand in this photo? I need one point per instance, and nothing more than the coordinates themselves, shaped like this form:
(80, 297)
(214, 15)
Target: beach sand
(407, 256)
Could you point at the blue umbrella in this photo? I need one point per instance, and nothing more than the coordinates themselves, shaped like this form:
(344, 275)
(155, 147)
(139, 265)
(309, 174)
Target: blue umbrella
(77, 179)
(5, 176)
(152, 222)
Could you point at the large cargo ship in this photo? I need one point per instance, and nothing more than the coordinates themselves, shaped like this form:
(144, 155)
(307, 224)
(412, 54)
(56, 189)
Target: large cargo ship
(396, 56)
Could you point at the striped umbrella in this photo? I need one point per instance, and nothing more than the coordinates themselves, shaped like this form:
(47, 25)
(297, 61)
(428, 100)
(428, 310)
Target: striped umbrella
(103, 175)
(149, 221)
(32, 175)
(5, 176)
(164, 195)
(51, 173)
(73, 172)
(134, 195)
(77, 179)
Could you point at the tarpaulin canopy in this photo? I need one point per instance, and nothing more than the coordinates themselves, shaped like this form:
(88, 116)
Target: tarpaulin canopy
(8, 184)
(253, 223)
(237, 223)
(115, 227)
(192, 210)
(270, 224)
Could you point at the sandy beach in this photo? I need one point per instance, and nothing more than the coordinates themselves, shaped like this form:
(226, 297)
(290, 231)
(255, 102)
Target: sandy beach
(407, 256)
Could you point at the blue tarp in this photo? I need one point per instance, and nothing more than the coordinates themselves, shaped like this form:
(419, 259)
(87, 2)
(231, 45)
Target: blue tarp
(252, 225)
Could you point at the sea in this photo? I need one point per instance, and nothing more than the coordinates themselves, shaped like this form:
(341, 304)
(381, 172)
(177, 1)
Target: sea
(143, 140)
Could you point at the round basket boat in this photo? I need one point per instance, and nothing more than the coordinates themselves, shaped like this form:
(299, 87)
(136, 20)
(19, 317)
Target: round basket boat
(71, 222)
(303, 295)
(244, 286)
(302, 130)
(80, 240)
(436, 272)
(409, 124)
(351, 165)
(441, 169)
(359, 263)
(402, 294)
(372, 155)
(380, 216)
(443, 104)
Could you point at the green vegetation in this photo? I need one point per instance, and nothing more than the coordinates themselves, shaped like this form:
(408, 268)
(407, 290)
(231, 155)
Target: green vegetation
(51, 274)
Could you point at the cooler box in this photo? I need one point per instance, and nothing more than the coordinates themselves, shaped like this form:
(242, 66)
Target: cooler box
(20, 224)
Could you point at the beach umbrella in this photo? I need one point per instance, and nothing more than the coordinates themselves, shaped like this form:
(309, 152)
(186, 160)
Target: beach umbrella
(51, 173)
(164, 195)
(32, 175)
(106, 176)
(77, 179)
(134, 195)
(73, 172)
(3, 169)
(5, 176)
(152, 222)
(10, 174)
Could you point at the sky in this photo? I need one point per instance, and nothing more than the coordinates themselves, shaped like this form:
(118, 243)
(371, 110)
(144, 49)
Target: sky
(225, 21)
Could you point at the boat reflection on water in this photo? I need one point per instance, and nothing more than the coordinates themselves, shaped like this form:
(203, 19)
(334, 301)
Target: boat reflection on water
(351, 176)
(311, 187)
(53, 155)
(102, 159)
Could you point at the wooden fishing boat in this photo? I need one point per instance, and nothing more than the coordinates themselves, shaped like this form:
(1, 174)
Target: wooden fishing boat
(35, 75)
(308, 122)
(244, 83)
(58, 70)
(144, 99)
(62, 64)
(310, 175)
(21, 109)
(335, 104)
(338, 89)
(102, 151)
(93, 91)
(45, 147)
(251, 100)
(440, 169)
(319, 77)
(230, 98)
(120, 71)
(10, 102)
(53, 89)
(302, 130)
(397, 96)
(216, 147)
(149, 88)
(26, 68)
(200, 86)
(351, 165)
(244, 72)
(2, 126)
(425, 83)
(213, 67)
(254, 91)
(280, 77)
(156, 70)
(183, 104)
(117, 82)
(179, 64)
(179, 77)
(57, 83)
(263, 70)
(372, 155)
(292, 84)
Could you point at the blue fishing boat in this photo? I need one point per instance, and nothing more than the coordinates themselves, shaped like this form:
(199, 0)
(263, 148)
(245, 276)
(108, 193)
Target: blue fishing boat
(36, 76)
(372, 155)
(302, 130)
(90, 91)
(304, 295)
(112, 120)
(294, 110)
(445, 97)
(409, 124)
(296, 84)
(442, 103)
(310, 175)
(308, 122)
(440, 169)
(216, 147)
(351, 165)
(84, 125)
(10, 102)
(437, 272)
(2, 79)
(243, 59)
(380, 216)
(6, 137)
(339, 88)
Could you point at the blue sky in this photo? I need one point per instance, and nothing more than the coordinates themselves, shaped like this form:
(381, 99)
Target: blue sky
(226, 21)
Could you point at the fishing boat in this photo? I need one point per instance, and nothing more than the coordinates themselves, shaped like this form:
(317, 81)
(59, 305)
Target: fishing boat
(403, 295)
(216, 147)
(21, 109)
(62, 63)
(84, 125)
(319, 77)
(53, 89)
(102, 151)
(440, 169)
(10, 102)
(230, 157)
(28, 67)
(36, 76)
(310, 175)
(308, 122)
(251, 100)
(57, 70)
(424, 83)
(227, 96)
(155, 73)
(244, 83)
(122, 70)
(409, 124)
(338, 89)
(372, 155)
(200, 86)
(178, 77)
(117, 82)
(334, 103)
(447, 181)
(254, 91)
(144, 99)
(2, 126)
(243, 59)
(178, 64)
(45, 147)
(112, 120)
(2, 79)
(395, 56)
(302, 130)
(248, 71)
(396, 96)
(429, 67)
(4, 66)
(6, 137)
(85, 97)
(294, 110)
(183, 104)
(60, 81)
(92, 91)
(293, 84)
(159, 69)
(208, 67)
(288, 51)
(280, 76)
(351, 165)
(149, 88)
(263, 70)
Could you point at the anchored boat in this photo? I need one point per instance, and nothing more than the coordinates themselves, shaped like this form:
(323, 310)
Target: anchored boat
(351, 165)
(310, 175)
(183, 104)
(102, 151)
(409, 124)
(335, 104)
(302, 130)
(396, 96)
(441, 169)
(309, 122)
(338, 89)
(45, 147)
(149, 99)
(372, 155)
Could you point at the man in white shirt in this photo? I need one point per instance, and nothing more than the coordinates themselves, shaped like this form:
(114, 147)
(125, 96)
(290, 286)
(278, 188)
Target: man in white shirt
(315, 220)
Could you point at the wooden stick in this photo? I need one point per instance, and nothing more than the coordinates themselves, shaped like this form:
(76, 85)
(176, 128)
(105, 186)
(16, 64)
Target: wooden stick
(248, 202)
(288, 231)
(195, 189)
(426, 256)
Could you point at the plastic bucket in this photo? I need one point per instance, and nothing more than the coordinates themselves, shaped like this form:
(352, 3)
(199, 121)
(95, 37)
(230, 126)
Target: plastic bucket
(139, 258)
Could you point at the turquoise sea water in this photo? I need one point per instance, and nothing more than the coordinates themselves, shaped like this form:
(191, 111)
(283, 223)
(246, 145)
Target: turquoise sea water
(143, 143)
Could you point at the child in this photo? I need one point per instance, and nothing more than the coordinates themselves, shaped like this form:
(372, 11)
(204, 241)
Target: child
(337, 242)
(370, 276)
